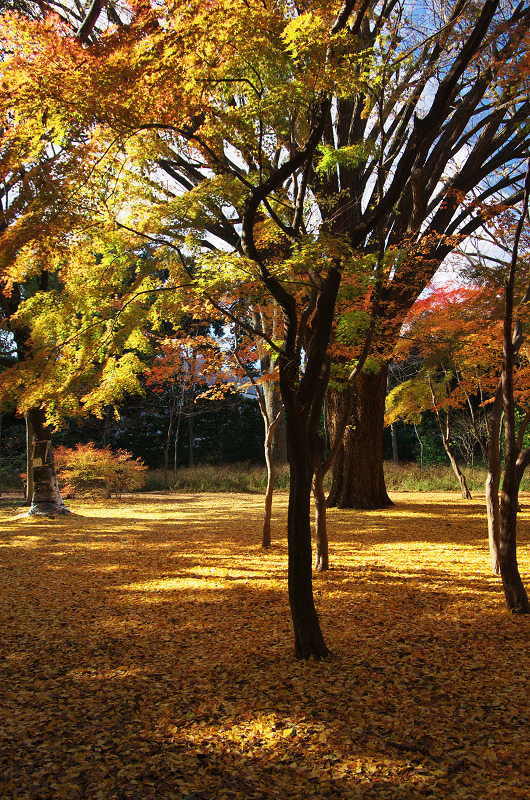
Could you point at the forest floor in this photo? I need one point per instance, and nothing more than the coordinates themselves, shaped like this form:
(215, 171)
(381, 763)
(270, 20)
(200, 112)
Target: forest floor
(147, 654)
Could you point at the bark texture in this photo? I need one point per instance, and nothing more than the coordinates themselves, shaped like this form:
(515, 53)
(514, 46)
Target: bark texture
(516, 597)
(309, 640)
(46, 499)
(493, 481)
(358, 478)
(321, 529)
(273, 404)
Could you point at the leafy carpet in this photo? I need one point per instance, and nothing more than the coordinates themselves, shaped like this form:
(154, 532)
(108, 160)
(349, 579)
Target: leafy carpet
(147, 655)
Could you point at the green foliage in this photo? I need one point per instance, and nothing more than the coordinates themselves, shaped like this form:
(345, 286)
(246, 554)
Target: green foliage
(349, 157)
(87, 470)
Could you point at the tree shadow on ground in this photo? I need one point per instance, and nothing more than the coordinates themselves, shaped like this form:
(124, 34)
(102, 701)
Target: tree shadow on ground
(151, 658)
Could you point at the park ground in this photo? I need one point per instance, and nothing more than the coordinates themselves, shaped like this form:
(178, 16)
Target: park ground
(147, 654)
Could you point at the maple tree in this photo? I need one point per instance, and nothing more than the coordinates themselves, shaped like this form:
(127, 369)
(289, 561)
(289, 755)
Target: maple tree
(88, 470)
(503, 515)
(271, 147)
(308, 309)
(37, 153)
(442, 336)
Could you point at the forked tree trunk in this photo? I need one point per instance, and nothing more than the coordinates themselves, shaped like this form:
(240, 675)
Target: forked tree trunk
(446, 439)
(46, 499)
(273, 405)
(358, 478)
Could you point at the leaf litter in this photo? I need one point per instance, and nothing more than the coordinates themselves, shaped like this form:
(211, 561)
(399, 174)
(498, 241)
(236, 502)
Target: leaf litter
(147, 654)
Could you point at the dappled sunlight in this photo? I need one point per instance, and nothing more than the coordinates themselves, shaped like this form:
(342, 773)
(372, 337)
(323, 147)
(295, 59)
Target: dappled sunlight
(152, 639)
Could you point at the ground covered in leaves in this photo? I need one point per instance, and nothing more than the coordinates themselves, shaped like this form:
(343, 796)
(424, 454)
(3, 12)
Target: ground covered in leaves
(147, 655)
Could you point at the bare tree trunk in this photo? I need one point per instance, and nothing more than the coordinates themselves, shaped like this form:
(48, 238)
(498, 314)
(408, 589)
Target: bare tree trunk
(191, 462)
(308, 635)
(46, 499)
(395, 452)
(271, 423)
(321, 530)
(272, 325)
(418, 437)
(273, 404)
(29, 462)
(358, 479)
(493, 481)
(176, 442)
(516, 597)
(446, 438)
(270, 428)
(171, 422)
(393, 431)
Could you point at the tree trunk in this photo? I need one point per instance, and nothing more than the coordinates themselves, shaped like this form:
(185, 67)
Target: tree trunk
(29, 462)
(273, 405)
(466, 494)
(270, 429)
(176, 443)
(358, 479)
(46, 499)
(493, 481)
(516, 597)
(446, 439)
(191, 462)
(321, 530)
(307, 634)
(393, 430)
(395, 451)
(515, 593)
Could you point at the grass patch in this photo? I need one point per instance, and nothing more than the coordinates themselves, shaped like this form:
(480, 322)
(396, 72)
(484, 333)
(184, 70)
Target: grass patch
(241, 477)
(252, 478)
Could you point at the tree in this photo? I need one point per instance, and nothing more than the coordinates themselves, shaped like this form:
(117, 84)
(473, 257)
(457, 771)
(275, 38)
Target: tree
(247, 139)
(35, 155)
(454, 123)
(503, 516)
(441, 343)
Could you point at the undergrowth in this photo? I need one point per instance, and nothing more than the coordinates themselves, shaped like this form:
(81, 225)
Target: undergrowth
(251, 478)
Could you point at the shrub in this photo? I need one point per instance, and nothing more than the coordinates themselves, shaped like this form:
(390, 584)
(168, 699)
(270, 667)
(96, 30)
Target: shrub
(88, 470)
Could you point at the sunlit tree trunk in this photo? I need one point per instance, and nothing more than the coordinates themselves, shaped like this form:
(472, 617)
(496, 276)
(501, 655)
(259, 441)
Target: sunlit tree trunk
(516, 597)
(309, 640)
(445, 430)
(321, 528)
(493, 481)
(46, 499)
(358, 478)
(270, 428)
(271, 423)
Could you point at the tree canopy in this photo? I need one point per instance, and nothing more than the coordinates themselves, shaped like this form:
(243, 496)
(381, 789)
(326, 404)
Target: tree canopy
(266, 152)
